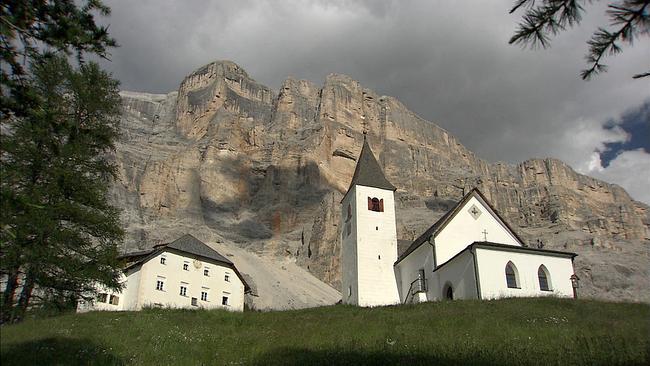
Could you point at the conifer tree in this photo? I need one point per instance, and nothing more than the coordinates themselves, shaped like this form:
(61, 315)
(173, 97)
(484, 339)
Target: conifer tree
(58, 234)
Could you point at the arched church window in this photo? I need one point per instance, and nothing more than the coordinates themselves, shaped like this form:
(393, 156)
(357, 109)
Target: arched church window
(375, 204)
(512, 279)
(544, 278)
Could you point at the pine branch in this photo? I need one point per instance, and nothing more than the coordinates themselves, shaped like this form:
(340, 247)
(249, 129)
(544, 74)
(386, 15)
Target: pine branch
(527, 3)
(642, 75)
(548, 18)
(603, 42)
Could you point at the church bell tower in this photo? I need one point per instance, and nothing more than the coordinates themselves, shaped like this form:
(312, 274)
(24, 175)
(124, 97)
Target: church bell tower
(368, 236)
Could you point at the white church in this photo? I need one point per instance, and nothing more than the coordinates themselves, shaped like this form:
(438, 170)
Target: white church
(453, 259)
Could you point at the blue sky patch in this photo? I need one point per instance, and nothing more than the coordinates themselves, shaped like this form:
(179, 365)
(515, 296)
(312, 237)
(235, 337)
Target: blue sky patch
(636, 124)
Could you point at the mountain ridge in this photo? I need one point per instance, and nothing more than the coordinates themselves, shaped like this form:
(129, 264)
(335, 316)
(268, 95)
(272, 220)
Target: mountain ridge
(264, 170)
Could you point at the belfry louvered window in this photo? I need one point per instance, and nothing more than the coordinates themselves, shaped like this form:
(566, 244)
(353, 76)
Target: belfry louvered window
(375, 204)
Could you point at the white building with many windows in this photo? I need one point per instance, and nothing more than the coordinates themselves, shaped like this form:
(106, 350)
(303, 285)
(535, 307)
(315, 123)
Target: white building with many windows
(470, 253)
(185, 273)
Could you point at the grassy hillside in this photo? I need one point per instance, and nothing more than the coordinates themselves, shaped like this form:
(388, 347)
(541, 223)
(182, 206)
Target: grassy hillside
(503, 332)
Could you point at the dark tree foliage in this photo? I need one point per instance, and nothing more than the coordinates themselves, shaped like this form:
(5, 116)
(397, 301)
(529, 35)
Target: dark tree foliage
(628, 20)
(58, 235)
(30, 28)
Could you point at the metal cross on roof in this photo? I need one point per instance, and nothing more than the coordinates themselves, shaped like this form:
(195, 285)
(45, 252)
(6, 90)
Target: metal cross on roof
(485, 235)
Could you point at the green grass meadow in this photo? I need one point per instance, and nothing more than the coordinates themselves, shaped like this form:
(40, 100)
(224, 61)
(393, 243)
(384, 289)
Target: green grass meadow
(543, 331)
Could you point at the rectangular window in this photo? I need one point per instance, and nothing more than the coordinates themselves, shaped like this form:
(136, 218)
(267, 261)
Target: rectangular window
(204, 296)
(224, 300)
(206, 272)
(226, 277)
(115, 300)
(163, 259)
(160, 285)
(186, 266)
(102, 297)
(183, 290)
(194, 301)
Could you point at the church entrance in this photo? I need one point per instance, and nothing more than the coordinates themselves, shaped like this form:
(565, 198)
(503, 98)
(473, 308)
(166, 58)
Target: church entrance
(448, 292)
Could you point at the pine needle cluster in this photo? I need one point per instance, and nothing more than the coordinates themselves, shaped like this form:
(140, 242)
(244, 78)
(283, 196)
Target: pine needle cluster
(628, 20)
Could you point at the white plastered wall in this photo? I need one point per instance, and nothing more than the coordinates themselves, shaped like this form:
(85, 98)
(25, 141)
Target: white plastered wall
(460, 274)
(463, 230)
(349, 291)
(106, 306)
(408, 268)
(376, 248)
(140, 285)
(131, 289)
(491, 267)
(172, 274)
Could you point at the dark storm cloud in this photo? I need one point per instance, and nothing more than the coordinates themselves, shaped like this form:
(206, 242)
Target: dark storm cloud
(447, 61)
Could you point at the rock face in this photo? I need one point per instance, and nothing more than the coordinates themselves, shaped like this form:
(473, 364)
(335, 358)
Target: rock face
(265, 170)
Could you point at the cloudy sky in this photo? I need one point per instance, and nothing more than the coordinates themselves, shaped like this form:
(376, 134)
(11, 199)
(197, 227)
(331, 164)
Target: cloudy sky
(448, 61)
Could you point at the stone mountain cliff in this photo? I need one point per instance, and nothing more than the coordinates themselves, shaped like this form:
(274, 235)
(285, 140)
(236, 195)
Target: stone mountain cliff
(242, 164)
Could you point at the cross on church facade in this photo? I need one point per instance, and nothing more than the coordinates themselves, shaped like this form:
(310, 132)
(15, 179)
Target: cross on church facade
(485, 235)
(475, 211)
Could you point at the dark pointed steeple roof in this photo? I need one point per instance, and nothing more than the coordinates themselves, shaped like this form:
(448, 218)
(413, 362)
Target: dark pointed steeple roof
(368, 172)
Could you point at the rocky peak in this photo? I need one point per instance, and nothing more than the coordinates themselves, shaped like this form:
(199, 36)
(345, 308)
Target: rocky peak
(219, 88)
(266, 171)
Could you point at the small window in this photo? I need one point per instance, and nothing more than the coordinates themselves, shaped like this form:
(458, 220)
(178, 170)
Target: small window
(160, 285)
(375, 204)
(102, 297)
(544, 278)
(194, 301)
(204, 296)
(186, 266)
(163, 260)
(115, 300)
(224, 300)
(206, 272)
(226, 277)
(511, 276)
(183, 290)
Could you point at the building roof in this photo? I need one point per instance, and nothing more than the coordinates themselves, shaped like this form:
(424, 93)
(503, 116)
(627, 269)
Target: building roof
(368, 172)
(444, 220)
(189, 244)
(186, 244)
(513, 248)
